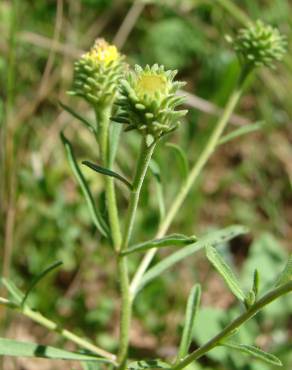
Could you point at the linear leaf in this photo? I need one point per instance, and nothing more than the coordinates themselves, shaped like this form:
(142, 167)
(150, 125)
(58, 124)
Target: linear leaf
(38, 278)
(115, 131)
(16, 294)
(95, 214)
(154, 168)
(244, 130)
(191, 311)
(286, 274)
(255, 352)
(182, 158)
(10, 347)
(172, 240)
(87, 124)
(225, 271)
(148, 364)
(107, 172)
(214, 238)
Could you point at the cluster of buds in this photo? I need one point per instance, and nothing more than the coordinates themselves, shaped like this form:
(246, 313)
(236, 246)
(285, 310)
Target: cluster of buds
(148, 100)
(96, 74)
(259, 45)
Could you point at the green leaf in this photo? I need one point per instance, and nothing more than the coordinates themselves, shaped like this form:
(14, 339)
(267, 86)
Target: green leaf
(86, 123)
(225, 271)
(9, 347)
(115, 131)
(286, 274)
(39, 277)
(172, 240)
(182, 158)
(255, 352)
(244, 130)
(154, 168)
(90, 366)
(95, 214)
(214, 238)
(107, 172)
(148, 364)
(16, 294)
(191, 312)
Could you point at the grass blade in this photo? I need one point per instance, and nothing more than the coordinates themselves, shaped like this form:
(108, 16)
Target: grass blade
(107, 172)
(38, 278)
(286, 274)
(182, 158)
(244, 130)
(225, 271)
(172, 240)
(255, 352)
(76, 115)
(213, 238)
(191, 311)
(95, 215)
(10, 347)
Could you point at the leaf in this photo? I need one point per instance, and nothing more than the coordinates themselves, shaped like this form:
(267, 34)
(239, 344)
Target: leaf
(225, 271)
(244, 130)
(148, 364)
(255, 352)
(154, 168)
(191, 311)
(177, 240)
(86, 123)
(107, 172)
(286, 274)
(90, 366)
(182, 158)
(95, 214)
(39, 277)
(115, 131)
(214, 238)
(10, 347)
(13, 290)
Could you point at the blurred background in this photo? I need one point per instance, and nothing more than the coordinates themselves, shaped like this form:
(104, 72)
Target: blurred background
(248, 181)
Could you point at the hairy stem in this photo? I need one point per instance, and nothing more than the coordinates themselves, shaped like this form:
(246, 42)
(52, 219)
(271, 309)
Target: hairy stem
(126, 309)
(103, 117)
(52, 326)
(216, 340)
(192, 177)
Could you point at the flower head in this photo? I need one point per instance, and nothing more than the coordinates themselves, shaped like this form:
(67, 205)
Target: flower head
(97, 72)
(259, 45)
(148, 100)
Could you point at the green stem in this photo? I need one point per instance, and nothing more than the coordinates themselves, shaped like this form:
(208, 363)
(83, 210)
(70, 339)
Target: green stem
(103, 117)
(192, 177)
(265, 300)
(126, 309)
(52, 326)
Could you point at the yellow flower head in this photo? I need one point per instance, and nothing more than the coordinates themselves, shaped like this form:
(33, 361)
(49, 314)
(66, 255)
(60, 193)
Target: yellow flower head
(102, 52)
(151, 84)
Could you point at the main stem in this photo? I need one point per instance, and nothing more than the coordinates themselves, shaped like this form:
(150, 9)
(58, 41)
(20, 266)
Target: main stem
(265, 300)
(192, 177)
(103, 117)
(126, 309)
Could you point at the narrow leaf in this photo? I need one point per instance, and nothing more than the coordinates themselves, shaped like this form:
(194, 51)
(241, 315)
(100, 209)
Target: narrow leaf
(115, 131)
(172, 240)
(182, 158)
(86, 123)
(95, 214)
(38, 278)
(148, 364)
(255, 352)
(154, 168)
(244, 130)
(107, 172)
(225, 271)
(9, 347)
(214, 238)
(191, 311)
(16, 294)
(286, 274)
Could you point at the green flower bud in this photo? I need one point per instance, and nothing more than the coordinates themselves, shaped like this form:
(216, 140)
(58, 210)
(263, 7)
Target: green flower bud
(259, 45)
(97, 72)
(148, 100)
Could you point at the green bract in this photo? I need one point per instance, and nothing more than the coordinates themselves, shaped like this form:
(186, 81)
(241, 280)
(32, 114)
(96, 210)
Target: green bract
(259, 45)
(97, 72)
(148, 100)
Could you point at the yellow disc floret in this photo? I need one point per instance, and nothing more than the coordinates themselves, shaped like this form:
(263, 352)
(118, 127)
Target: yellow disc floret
(102, 52)
(150, 84)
